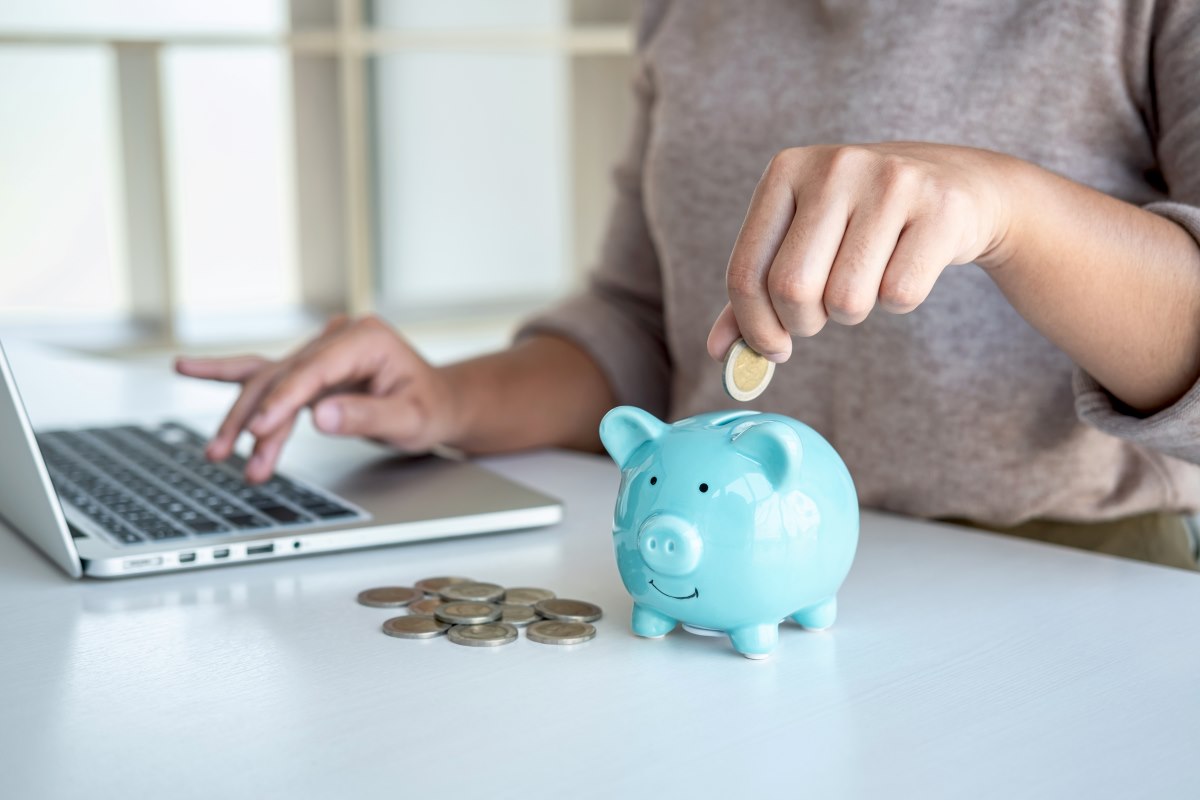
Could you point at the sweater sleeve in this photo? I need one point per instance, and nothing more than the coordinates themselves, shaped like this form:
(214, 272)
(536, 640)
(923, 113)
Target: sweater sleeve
(618, 317)
(1175, 88)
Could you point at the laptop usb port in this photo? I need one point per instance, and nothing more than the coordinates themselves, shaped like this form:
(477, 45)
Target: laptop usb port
(187, 558)
(222, 553)
(260, 549)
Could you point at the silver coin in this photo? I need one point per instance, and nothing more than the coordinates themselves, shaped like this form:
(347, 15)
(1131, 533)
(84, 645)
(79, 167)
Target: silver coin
(388, 596)
(568, 610)
(435, 585)
(527, 596)
(518, 615)
(477, 592)
(489, 634)
(467, 612)
(554, 631)
(746, 373)
(414, 626)
(426, 606)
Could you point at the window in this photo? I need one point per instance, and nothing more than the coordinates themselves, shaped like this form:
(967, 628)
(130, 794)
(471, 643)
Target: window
(233, 169)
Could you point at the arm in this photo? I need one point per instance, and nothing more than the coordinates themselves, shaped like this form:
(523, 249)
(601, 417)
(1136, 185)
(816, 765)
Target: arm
(544, 391)
(1114, 286)
(360, 378)
(833, 230)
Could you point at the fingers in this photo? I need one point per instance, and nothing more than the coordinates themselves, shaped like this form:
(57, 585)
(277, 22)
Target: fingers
(767, 221)
(394, 419)
(353, 356)
(854, 278)
(921, 255)
(265, 455)
(235, 369)
(723, 334)
(222, 444)
(831, 232)
(800, 270)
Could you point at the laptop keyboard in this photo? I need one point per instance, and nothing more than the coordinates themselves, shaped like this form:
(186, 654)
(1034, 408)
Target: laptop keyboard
(143, 485)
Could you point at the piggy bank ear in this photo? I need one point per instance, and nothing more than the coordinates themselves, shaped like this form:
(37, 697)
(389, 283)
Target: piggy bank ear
(624, 429)
(772, 445)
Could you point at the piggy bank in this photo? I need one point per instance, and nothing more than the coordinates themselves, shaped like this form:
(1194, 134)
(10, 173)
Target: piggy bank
(729, 523)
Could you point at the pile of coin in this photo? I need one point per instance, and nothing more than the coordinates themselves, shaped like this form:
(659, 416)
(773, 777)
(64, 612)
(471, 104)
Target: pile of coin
(478, 614)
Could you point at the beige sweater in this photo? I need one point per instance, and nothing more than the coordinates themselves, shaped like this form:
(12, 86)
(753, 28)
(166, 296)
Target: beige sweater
(959, 409)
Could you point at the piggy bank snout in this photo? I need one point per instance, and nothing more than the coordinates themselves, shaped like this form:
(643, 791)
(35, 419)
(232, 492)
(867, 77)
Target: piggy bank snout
(670, 545)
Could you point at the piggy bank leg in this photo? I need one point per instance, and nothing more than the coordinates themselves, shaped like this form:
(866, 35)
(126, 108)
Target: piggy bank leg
(817, 617)
(755, 641)
(651, 624)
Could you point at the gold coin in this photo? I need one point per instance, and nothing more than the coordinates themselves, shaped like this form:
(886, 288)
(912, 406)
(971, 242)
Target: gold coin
(435, 585)
(566, 610)
(552, 631)
(526, 595)
(747, 373)
(476, 592)
(414, 626)
(466, 612)
(426, 606)
(518, 616)
(489, 634)
(388, 596)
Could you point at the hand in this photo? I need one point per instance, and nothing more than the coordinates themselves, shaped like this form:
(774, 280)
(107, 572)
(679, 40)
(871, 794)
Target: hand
(360, 378)
(833, 230)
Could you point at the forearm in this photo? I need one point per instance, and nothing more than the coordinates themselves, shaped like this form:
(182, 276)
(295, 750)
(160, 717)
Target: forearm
(544, 391)
(1115, 287)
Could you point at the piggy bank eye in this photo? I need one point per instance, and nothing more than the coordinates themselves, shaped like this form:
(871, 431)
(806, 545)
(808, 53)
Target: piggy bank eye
(704, 487)
(653, 480)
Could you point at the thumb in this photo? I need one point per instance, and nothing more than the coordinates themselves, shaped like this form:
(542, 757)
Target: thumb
(384, 418)
(723, 334)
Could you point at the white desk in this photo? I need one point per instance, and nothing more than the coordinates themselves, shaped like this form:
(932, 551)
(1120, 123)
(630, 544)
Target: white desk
(963, 665)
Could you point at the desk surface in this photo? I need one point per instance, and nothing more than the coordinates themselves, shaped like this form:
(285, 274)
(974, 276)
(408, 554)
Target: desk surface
(963, 665)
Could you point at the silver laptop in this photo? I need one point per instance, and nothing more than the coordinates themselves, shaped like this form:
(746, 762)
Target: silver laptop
(127, 500)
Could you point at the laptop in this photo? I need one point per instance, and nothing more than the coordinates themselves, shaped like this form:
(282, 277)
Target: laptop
(122, 500)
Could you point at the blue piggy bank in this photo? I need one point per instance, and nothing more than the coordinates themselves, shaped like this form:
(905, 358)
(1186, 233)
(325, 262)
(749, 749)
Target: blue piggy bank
(729, 523)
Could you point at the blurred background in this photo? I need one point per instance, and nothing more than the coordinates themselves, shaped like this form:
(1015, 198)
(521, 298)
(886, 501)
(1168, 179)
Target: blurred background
(221, 176)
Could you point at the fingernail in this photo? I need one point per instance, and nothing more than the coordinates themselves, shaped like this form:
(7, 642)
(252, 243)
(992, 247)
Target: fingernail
(329, 417)
(258, 421)
(776, 358)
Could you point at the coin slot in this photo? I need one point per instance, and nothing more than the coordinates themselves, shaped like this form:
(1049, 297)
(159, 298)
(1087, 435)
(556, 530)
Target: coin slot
(222, 553)
(260, 549)
(187, 558)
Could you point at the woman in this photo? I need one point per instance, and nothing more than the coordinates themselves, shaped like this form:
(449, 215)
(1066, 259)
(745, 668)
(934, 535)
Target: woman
(1012, 270)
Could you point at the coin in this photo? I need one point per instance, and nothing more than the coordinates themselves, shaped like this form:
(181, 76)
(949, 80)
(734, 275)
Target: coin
(435, 585)
(478, 592)
(526, 596)
(746, 373)
(388, 596)
(415, 626)
(553, 631)
(426, 606)
(518, 615)
(490, 634)
(568, 610)
(466, 612)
